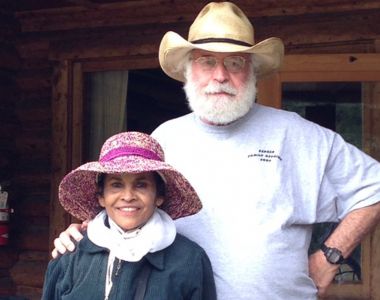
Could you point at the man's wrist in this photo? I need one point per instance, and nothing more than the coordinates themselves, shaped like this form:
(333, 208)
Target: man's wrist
(333, 255)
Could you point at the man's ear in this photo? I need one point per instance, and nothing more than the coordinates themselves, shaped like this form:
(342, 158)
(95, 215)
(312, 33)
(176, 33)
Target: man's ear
(159, 201)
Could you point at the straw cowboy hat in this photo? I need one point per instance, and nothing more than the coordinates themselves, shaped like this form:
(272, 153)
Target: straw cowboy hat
(128, 152)
(219, 27)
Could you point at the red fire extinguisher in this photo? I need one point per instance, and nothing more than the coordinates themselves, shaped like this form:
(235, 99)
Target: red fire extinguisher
(5, 211)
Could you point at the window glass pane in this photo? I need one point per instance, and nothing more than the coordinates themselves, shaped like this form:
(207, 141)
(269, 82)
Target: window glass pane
(105, 108)
(152, 99)
(337, 106)
(133, 100)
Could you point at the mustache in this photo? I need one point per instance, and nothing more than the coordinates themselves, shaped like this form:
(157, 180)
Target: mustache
(216, 87)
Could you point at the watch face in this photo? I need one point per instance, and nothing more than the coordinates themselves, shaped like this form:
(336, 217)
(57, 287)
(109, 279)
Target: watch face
(333, 255)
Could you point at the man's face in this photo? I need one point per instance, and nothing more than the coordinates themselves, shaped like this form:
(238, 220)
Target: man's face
(220, 87)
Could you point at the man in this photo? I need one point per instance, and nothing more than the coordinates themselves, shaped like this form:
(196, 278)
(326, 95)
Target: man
(264, 175)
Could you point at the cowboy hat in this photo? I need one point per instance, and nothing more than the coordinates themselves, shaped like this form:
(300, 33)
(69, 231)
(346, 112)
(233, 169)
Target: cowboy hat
(127, 152)
(219, 27)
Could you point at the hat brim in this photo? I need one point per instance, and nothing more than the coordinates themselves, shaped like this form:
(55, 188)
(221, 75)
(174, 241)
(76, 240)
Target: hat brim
(77, 190)
(173, 49)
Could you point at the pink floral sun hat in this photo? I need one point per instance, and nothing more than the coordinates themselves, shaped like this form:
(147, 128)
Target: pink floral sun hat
(127, 152)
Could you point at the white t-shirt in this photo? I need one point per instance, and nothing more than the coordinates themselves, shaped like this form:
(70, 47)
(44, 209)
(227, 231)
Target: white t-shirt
(263, 181)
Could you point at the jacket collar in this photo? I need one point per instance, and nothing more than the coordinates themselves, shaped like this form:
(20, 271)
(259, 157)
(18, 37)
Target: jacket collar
(156, 259)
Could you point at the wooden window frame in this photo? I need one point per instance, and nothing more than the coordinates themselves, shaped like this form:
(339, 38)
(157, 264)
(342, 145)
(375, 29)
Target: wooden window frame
(67, 121)
(67, 139)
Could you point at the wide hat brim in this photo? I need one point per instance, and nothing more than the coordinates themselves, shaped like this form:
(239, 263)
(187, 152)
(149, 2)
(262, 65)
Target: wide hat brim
(174, 48)
(77, 190)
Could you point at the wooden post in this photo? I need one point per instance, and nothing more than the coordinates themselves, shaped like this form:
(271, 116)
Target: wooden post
(61, 145)
(269, 91)
(374, 147)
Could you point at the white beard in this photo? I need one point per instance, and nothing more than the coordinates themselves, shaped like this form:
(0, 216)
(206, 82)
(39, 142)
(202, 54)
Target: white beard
(222, 109)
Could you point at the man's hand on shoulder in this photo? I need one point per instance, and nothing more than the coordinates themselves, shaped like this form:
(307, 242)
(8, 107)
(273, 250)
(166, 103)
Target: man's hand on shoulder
(65, 241)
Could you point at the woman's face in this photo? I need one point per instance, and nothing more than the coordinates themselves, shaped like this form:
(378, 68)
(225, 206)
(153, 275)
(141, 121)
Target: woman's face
(130, 199)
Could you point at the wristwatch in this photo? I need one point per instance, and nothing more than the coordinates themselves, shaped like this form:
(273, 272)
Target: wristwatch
(333, 255)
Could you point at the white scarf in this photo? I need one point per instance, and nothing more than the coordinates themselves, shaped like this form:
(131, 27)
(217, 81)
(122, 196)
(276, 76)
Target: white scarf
(157, 234)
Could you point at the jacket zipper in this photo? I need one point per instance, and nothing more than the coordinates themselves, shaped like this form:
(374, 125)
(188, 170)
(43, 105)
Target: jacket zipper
(118, 267)
(115, 273)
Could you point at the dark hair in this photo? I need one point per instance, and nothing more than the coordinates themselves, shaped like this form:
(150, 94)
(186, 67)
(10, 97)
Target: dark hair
(160, 184)
(100, 177)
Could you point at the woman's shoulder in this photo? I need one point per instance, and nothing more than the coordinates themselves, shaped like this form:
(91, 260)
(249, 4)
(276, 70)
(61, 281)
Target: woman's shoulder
(186, 246)
(186, 256)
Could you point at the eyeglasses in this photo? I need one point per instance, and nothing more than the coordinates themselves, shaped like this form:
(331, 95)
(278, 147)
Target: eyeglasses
(233, 64)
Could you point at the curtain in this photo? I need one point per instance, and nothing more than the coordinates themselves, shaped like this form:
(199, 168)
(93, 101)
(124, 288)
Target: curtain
(107, 108)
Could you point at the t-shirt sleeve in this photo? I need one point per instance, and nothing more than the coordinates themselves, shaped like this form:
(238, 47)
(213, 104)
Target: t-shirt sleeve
(354, 175)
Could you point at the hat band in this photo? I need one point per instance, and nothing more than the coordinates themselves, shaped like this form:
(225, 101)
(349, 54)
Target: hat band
(220, 40)
(129, 150)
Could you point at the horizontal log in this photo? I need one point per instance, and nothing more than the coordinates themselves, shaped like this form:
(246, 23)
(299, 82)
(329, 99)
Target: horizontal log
(7, 287)
(26, 181)
(365, 46)
(32, 144)
(9, 27)
(8, 94)
(305, 31)
(39, 197)
(38, 98)
(70, 49)
(33, 47)
(8, 257)
(158, 12)
(33, 83)
(335, 62)
(39, 129)
(34, 158)
(27, 225)
(7, 78)
(34, 115)
(36, 63)
(310, 30)
(116, 63)
(7, 111)
(34, 79)
(28, 273)
(32, 209)
(34, 238)
(31, 293)
(34, 256)
(3, 273)
(35, 73)
(9, 58)
(130, 34)
(37, 165)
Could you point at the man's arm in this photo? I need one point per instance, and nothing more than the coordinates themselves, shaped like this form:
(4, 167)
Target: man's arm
(349, 233)
(65, 240)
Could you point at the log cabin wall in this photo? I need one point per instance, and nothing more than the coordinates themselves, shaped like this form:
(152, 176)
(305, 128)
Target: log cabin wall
(40, 34)
(25, 162)
(8, 125)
